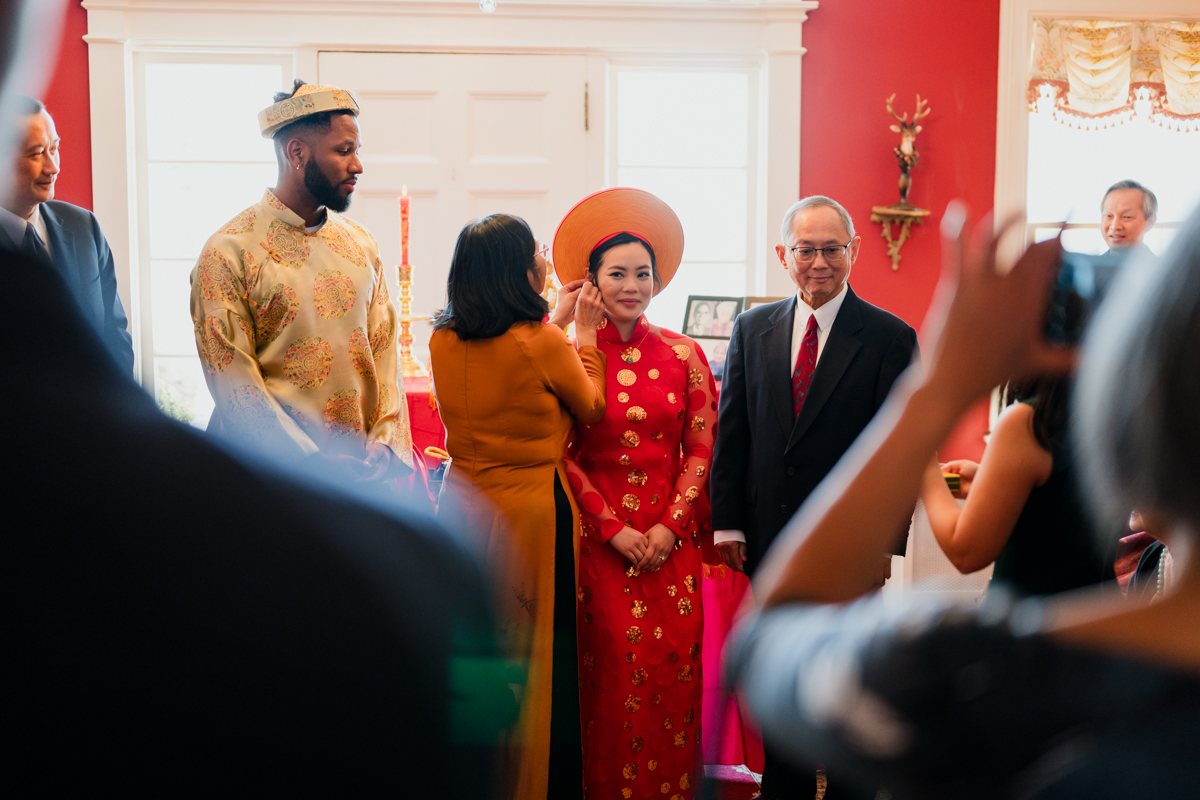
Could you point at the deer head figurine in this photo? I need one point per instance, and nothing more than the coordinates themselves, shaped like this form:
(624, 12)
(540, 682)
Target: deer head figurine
(908, 130)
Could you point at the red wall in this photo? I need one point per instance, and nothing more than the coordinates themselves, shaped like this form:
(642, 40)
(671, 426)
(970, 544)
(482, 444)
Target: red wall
(66, 98)
(859, 53)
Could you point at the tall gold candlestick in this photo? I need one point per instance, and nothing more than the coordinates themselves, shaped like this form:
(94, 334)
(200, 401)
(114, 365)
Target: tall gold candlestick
(409, 366)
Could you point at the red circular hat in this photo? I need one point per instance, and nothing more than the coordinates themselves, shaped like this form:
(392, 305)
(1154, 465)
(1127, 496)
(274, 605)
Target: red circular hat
(601, 216)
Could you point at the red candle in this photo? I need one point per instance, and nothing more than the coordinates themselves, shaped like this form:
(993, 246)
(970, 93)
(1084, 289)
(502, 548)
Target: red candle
(404, 225)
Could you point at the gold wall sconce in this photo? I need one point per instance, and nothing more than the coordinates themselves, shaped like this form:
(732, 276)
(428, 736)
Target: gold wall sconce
(903, 214)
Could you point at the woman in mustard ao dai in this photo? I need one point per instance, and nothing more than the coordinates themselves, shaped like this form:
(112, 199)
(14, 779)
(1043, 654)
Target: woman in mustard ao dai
(636, 475)
(510, 388)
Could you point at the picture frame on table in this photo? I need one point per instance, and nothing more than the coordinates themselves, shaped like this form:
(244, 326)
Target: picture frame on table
(711, 316)
(714, 349)
(751, 302)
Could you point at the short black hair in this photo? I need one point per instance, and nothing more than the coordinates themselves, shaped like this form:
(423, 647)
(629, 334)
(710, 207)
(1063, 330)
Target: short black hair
(488, 290)
(597, 255)
(314, 123)
(27, 105)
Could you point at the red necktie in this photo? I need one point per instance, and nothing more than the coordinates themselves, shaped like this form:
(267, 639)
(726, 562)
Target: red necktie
(806, 362)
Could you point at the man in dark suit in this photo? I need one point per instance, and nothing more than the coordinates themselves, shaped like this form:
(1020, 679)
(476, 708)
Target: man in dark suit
(59, 235)
(803, 377)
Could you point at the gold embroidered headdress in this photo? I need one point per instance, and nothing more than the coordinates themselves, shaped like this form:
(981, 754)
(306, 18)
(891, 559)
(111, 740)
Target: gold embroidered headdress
(307, 100)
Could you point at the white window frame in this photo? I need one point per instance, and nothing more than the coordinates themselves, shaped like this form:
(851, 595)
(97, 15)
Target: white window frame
(1012, 109)
(757, 224)
(140, 273)
(768, 32)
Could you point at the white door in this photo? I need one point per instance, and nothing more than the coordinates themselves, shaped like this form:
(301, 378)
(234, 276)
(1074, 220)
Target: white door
(470, 135)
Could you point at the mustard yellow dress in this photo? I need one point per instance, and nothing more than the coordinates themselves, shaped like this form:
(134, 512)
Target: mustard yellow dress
(508, 405)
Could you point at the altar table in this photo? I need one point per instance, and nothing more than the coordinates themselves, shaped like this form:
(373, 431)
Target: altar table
(728, 739)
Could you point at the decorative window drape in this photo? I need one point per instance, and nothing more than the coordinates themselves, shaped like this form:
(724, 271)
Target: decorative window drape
(1096, 73)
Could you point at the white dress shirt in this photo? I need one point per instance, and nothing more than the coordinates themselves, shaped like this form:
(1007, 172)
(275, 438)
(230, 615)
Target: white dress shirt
(39, 226)
(825, 315)
(15, 226)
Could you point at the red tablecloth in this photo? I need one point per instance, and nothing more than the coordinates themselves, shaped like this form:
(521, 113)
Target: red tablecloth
(728, 739)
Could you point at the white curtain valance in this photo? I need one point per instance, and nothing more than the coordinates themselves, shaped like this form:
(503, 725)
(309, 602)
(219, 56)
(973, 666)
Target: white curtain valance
(1094, 69)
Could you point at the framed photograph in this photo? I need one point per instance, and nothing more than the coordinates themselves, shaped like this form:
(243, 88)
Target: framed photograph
(711, 316)
(714, 351)
(751, 302)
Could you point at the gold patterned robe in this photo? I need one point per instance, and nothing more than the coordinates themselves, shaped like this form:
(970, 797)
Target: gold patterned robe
(298, 336)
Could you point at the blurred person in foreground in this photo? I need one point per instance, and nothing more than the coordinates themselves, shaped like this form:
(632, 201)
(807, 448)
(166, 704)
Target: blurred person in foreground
(1081, 695)
(183, 619)
(509, 389)
(58, 235)
(291, 309)
(637, 475)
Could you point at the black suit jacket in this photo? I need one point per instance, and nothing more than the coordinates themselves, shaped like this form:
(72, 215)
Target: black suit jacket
(766, 463)
(182, 619)
(82, 258)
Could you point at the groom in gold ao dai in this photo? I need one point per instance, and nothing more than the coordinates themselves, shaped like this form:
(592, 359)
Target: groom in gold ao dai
(291, 309)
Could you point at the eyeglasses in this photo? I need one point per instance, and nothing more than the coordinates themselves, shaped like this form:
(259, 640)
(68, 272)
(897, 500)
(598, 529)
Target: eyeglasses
(543, 249)
(833, 254)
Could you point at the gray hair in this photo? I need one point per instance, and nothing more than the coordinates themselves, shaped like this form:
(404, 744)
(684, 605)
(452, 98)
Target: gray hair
(785, 230)
(1149, 199)
(1137, 431)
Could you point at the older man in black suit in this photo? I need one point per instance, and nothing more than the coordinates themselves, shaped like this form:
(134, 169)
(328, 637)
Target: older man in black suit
(803, 377)
(59, 235)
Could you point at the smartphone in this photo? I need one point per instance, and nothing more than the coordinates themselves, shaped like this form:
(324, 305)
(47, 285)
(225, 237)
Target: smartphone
(1081, 283)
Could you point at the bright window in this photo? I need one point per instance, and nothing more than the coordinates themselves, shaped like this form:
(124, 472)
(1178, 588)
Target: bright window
(1070, 169)
(201, 160)
(690, 137)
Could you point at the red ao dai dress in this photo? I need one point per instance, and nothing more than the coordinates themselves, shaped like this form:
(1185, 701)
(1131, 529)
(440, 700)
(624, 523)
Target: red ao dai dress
(645, 462)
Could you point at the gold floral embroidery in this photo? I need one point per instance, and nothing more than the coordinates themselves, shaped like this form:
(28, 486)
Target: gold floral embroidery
(307, 362)
(656, 436)
(246, 329)
(681, 739)
(216, 278)
(638, 676)
(333, 294)
(631, 769)
(677, 514)
(276, 311)
(658, 632)
(630, 658)
(685, 606)
(666, 787)
(624, 461)
(360, 354)
(668, 723)
(682, 352)
(215, 349)
(585, 594)
(638, 478)
(652, 764)
(697, 424)
(695, 378)
(248, 411)
(700, 471)
(382, 338)
(622, 397)
(694, 651)
(653, 374)
(631, 503)
(638, 609)
(636, 414)
(691, 495)
(685, 782)
(626, 792)
(633, 703)
(672, 590)
(634, 634)
(626, 377)
(636, 744)
(338, 239)
(654, 499)
(242, 223)
(671, 398)
(688, 719)
(251, 269)
(343, 414)
(631, 355)
(655, 700)
(287, 245)
(630, 439)
(689, 583)
(385, 402)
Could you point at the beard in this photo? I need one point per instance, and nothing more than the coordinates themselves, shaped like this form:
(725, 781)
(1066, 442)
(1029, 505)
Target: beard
(322, 189)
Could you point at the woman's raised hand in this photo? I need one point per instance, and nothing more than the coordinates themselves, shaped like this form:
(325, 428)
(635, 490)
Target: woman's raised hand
(630, 543)
(589, 314)
(984, 327)
(564, 311)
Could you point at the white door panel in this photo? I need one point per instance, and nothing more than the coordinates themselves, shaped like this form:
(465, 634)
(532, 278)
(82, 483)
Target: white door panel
(470, 135)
